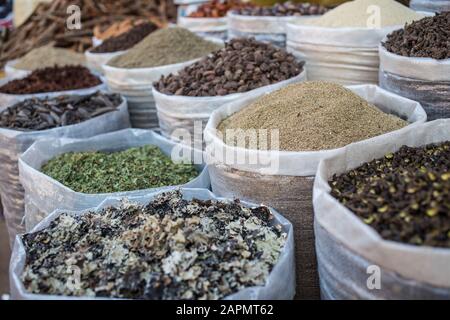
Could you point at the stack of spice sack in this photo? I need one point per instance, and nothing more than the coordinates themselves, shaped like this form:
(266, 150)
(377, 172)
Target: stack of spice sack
(244, 68)
(185, 242)
(415, 63)
(160, 53)
(266, 149)
(268, 24)
(342, 45)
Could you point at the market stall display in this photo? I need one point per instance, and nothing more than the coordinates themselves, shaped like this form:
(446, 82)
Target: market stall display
(386, 205)
(245, 67)
(28, 121)
(269, 101)
(179, 230)
(268, 24)
(342, 45)
(327, 117)
(162, 52)
(415, 63)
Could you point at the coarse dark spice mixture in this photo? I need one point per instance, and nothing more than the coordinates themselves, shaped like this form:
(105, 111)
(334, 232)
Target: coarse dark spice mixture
(405, 196)
(170, 248)
(47, 113)
(243, 65)
(287, 8)
(132, 169)
(126, 40)
(52, 79)
(426, 38)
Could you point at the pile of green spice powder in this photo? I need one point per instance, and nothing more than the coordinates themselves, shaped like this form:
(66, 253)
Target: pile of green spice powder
(405, 196)
(133, 169)
(170, 248)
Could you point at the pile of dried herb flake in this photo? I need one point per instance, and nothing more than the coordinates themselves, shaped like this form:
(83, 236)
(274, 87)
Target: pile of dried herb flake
(405, 196)
(170, 248)
(132, 169)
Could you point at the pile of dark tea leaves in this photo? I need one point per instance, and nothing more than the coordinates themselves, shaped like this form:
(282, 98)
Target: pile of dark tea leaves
(405, 196)
(47, 113)
(170, 248)
(106, 172)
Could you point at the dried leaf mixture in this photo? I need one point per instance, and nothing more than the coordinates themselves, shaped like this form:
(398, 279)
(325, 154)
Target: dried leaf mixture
(170, 248)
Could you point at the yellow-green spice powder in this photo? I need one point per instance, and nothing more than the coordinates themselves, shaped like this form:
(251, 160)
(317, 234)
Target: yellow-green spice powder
(132, 169)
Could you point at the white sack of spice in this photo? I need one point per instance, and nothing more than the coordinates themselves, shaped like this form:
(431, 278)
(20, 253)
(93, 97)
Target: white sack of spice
(204, 248)
(43, 194)
(346, 246)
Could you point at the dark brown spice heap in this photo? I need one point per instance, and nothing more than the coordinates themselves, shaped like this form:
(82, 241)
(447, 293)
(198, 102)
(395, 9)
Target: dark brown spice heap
(126, 40)
(47, 113)
(216, 8)
(405, 196)
(243, 65)
(51, 80)
(170, 248)
(288, 8)
(426, 38)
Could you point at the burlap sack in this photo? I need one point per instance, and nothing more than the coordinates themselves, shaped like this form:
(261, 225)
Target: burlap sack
(284, 180)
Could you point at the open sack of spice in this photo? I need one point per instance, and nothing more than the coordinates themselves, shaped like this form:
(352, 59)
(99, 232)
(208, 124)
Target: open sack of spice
(160, 53)
(430, 6)
(76, 174)
(112, 47)
(268, 23)
(245, 67)
(182, 244)
(415, 63)
(42, 57)
(342, 45)
(209, 19)
(266, 149)
(49, 81)
(23, 123)
(385, 207)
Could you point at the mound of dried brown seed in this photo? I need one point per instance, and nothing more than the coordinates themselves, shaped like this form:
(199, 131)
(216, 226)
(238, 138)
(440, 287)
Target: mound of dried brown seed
(170, 248)
(405, 196)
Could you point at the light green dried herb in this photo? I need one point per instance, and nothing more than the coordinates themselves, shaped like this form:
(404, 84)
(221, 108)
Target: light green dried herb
(133, 169)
